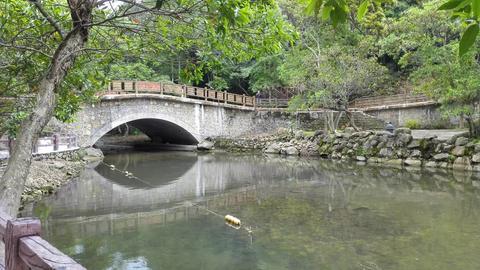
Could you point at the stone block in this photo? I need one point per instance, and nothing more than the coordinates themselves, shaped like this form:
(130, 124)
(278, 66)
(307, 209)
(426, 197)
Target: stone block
(290, 151)
(413, 162)
(476, 158)
(402, 131)
(395, 162)
(385, 152)
(404, 138)
(416, 153)
(360, 158)
(414, 144)
(441, 157)
(458, 151)
(432, 164)
(462, 163)
(461, 141)
(273, 148)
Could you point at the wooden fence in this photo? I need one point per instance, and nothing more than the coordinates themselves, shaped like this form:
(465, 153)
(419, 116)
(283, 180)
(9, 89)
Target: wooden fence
(400, 99)
(142, 87)
(25, 249)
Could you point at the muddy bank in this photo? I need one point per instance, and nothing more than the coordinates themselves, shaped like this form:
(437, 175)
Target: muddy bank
(50, 171)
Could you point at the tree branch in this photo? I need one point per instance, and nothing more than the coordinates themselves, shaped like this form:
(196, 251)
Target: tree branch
(55, 25)
(20, 47)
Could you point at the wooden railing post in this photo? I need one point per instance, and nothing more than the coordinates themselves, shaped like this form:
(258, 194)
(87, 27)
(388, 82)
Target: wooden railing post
(243, 99)
(35, 146)
(56, 142)
(15, 230)
(161, 88)
(11, 142)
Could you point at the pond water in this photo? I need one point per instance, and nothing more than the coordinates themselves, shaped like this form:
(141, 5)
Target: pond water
(167, 213)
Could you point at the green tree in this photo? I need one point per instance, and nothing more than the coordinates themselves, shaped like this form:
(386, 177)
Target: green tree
(53, 46)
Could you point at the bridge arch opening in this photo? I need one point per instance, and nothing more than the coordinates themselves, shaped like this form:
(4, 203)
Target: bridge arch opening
(159, 132)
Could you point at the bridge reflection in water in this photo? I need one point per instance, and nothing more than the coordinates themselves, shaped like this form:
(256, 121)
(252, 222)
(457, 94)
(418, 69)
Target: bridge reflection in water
(171, 187)
(179, 186)
(292, 205)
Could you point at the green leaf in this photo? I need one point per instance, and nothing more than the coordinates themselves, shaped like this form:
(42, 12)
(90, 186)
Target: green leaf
(338, 15)
(362, 9)
(326, 12)
(476, 8)
(313, 7)
(468, 38)
(452, 4)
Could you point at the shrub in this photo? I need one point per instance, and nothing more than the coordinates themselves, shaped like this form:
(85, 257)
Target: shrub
(412, 124)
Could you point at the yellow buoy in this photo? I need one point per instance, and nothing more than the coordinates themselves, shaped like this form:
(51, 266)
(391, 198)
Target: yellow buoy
(232, 220)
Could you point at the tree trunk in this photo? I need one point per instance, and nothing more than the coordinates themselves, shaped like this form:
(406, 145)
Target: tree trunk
(351, 119)
(13, 180)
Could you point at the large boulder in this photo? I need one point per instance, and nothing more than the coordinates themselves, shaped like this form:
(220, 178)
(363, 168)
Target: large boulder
(414, 144)
(402, 131)
(461, 141)
(477, 148)
(206, 145)
(476, 158)
(416, 154)
(273, 148)
(441, 157)
(385, 152)
(413, 162)
(462, 163)
(92, 154)
(404, 138)
(290, 151)
(299, 134)
(309, 149)
(458, 151)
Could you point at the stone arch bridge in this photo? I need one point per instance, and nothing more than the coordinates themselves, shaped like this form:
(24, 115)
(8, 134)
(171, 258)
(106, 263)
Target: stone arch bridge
(179, 114)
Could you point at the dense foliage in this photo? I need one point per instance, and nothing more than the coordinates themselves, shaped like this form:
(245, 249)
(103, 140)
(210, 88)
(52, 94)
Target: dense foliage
(327, 52)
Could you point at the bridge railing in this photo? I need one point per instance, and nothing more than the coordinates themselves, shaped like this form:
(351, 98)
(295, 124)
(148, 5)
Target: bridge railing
(140, 87)
(367, 102)
(45, 144)
(272, 102)
(25, 249)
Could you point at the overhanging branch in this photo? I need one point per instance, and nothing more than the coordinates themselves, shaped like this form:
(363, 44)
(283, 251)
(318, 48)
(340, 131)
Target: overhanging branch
(54, 23)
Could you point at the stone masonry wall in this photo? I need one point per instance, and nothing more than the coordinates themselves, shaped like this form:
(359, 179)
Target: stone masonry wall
(269, 121)
(398, 148)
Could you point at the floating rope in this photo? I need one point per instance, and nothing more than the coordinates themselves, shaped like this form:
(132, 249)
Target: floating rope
(127, 174)
(230, 220)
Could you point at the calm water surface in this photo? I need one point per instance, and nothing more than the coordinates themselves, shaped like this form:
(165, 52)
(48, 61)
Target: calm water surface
(296, 214)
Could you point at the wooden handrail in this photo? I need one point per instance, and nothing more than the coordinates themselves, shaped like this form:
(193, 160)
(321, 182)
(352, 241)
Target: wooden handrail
(399, 99)
(25, 249)
(141, 87)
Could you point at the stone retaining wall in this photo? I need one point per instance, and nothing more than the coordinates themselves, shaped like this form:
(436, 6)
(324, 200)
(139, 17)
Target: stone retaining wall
(398, 148)
(266, 121)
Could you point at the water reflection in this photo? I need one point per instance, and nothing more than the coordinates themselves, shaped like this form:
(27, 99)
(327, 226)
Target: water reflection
(146, 168)
(303, 214)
